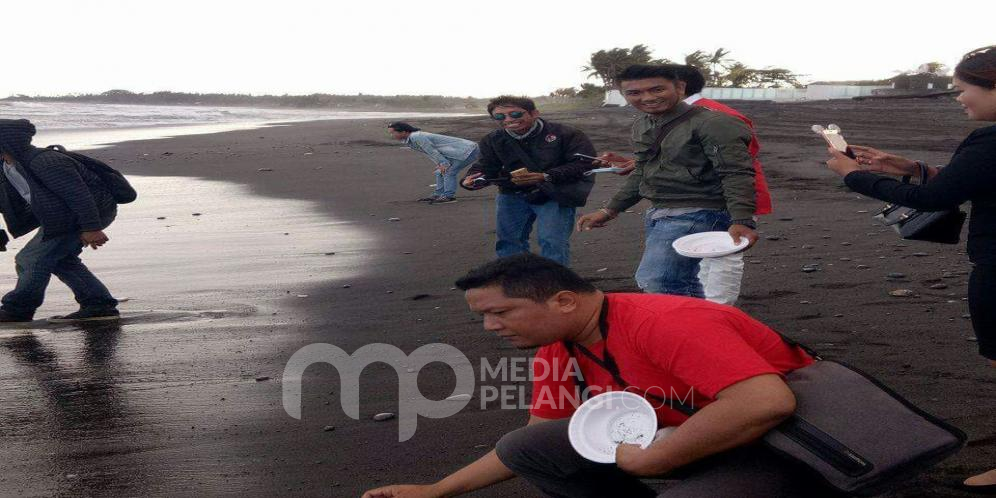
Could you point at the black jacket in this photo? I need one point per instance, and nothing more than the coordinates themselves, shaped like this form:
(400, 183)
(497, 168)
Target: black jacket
(66, 197)
(970, 176)
(551, 150)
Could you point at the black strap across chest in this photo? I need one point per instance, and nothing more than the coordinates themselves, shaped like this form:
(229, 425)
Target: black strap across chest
(608, 363)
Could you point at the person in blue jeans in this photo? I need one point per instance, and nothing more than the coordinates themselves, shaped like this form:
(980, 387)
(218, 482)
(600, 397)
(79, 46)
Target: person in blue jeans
(70, 206)
(450, 154)
(541, 180)
(662, 270)
(515, 217)
(693, 164)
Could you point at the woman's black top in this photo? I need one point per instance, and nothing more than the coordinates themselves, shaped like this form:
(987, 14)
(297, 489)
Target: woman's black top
(970, 176)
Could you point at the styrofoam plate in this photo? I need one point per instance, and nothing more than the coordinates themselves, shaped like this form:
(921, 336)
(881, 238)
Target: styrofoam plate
(607, 420)
(708, 245)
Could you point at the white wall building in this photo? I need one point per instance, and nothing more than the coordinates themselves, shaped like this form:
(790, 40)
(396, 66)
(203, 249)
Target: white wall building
(811, 92)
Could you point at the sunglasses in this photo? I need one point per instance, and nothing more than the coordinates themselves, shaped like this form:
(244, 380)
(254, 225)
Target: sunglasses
(513, 115)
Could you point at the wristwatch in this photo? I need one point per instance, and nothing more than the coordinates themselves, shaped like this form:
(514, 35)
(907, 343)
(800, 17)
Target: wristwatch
(747, 222)
(547, 178)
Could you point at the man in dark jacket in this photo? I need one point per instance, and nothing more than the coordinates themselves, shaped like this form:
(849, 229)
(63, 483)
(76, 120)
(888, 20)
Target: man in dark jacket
(698, 174)
(70, 206)
(540, 179)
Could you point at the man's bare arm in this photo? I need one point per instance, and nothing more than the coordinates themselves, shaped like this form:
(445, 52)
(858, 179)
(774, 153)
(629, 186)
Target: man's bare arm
(485, 471)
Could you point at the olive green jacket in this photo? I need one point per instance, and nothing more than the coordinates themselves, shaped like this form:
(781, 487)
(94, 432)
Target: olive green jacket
(703, 163)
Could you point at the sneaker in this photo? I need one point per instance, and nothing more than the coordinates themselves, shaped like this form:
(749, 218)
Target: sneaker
(87, 315)
(428, 199)
(8, 317)
(444, 200)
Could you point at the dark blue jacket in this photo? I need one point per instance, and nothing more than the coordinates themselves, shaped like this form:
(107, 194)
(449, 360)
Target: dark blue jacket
(66, 197)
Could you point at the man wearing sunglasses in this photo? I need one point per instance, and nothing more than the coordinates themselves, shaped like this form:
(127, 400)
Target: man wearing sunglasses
(540, 180)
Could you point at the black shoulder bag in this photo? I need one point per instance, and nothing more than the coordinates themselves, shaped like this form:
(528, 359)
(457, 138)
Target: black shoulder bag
(667, 128)
(856, 435)
(931, 226)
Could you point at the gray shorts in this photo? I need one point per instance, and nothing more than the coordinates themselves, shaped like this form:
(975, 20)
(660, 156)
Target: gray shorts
(542, 454)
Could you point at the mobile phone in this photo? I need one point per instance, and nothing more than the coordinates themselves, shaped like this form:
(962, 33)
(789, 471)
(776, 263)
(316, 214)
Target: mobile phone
(487, 180)
(834, 139)
(583, 156)
(604, 170)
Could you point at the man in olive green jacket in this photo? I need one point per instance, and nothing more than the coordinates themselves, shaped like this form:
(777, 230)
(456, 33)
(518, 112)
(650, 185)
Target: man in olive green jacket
(699, 177)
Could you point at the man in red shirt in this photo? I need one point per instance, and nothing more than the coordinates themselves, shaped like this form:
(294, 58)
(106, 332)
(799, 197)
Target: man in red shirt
(719, 360)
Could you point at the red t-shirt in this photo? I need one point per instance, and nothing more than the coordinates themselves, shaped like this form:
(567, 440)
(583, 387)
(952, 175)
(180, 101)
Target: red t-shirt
(763, 197)
(681, 347)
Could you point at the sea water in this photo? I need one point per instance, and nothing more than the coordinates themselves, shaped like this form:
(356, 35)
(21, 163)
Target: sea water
(88, 125)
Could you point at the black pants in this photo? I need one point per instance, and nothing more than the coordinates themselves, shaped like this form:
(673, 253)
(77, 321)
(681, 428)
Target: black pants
(542, 454)
(982, 305)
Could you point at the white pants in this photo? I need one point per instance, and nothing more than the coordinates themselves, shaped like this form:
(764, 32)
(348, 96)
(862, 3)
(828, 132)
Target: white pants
(721, 278)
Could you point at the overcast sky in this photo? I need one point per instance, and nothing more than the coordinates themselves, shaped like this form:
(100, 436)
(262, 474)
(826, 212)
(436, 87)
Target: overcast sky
(458, 48)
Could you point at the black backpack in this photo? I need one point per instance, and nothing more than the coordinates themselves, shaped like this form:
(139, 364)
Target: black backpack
(116, 183)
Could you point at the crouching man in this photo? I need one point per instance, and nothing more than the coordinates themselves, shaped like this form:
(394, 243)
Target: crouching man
(715, 357)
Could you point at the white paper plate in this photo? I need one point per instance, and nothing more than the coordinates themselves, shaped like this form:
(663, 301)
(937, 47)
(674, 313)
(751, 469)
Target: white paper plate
(708, 245)
(604, 421)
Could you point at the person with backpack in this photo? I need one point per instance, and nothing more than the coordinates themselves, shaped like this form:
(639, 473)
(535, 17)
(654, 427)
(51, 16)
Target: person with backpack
(70, 205)
(693, 164)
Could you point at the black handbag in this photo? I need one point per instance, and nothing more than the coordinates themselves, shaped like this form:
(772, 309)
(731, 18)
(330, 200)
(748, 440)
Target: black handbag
(943, 227)
(852, 432)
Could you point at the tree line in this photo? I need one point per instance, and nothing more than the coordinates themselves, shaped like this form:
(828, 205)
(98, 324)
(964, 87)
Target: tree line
(313, 101)
(717, 67)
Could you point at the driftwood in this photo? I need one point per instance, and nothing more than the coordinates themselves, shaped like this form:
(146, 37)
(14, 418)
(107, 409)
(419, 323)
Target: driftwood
(931, 95)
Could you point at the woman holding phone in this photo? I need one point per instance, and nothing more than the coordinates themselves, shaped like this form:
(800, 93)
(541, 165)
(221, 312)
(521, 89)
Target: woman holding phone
(969, 176)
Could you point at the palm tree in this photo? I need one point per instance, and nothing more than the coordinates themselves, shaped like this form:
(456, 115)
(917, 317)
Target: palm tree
(776, 77)
(717, 59)
(605, 64)
(739, 75)
(711, 64)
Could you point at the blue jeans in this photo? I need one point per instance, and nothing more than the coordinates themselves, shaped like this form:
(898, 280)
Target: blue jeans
(59, 256)
(662, 270)
(515, 222)
(446, 183)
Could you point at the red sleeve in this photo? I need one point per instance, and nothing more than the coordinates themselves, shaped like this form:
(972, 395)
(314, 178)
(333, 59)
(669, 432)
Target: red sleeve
(551, 382)
(706, 352)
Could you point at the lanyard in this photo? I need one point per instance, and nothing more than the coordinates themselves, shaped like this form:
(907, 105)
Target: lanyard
(608, 363)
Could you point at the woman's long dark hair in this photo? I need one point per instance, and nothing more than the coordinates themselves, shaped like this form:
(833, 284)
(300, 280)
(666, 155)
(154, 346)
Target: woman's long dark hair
(402, 126)
(978, 67)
